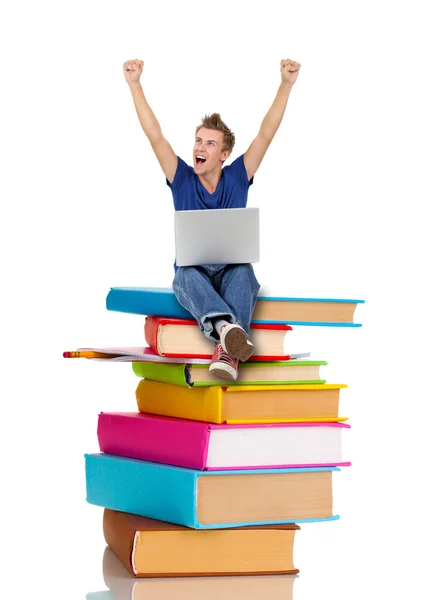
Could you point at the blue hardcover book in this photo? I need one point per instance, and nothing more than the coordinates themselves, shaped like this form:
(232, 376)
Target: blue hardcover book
(209, 499)
(161, 302)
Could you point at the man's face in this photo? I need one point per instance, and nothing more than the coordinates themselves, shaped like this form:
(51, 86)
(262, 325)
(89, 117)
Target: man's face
(208, 153)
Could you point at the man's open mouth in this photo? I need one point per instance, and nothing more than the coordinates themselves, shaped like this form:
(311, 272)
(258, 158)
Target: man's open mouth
(200, 159)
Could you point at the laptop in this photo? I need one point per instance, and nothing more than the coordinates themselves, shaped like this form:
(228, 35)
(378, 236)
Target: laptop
(216, 236)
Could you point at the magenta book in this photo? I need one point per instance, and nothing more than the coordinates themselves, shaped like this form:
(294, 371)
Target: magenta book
(207, 446)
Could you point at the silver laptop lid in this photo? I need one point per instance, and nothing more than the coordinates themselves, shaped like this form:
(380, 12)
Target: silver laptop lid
(216, 236)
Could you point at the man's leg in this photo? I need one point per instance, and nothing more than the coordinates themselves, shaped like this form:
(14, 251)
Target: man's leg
(239, 288)
(195, 291)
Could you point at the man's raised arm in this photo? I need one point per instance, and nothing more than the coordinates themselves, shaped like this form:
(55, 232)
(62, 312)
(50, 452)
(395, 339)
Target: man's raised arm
(161, 147)
(257, 149)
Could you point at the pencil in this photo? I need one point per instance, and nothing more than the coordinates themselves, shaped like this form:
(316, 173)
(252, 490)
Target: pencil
(87, 354)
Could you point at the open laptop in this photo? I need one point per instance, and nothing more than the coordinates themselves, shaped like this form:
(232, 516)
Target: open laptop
(216, 236)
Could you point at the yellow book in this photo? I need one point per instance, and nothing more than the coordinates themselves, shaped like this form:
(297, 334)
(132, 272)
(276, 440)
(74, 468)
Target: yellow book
(244, 404)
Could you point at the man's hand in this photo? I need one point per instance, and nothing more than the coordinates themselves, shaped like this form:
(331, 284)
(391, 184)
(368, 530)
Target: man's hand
(289, 71)
(132, 70)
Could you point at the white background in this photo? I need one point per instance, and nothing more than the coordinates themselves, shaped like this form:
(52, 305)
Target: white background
(85, 207)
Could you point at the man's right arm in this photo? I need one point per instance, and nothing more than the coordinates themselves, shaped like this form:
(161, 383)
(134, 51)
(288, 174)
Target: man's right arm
(150, 125)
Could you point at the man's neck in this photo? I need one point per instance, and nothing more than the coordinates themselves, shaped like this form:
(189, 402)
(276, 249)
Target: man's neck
(211, 180)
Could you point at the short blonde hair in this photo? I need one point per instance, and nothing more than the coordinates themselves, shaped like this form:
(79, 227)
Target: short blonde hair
(215, 122)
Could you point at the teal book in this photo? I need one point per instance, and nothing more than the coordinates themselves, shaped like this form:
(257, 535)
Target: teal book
(161, 302)
(209, 499)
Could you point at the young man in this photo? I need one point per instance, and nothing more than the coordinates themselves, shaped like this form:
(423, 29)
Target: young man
(220, 297)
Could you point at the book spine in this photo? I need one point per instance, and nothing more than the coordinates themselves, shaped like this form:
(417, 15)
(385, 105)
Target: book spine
(196, 403)
(151, 326)
(142, 488)
(146, 302)
(157, 439)
(167, 373)
(119, 536)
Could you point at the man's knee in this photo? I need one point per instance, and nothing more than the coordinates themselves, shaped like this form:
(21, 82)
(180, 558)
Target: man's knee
(190, 280)
(247, 274)
(181, 275)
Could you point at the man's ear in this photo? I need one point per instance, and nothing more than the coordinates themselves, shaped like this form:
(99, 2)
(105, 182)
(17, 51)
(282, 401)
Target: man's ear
(224, 155)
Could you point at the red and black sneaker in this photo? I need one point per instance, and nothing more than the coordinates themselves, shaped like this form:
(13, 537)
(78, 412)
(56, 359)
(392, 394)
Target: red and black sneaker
(223, 364)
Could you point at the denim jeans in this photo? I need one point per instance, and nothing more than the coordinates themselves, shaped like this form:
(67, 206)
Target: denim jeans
(217, 291)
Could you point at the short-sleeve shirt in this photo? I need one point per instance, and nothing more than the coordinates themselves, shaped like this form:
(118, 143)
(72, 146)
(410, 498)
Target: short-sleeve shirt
(189, 194)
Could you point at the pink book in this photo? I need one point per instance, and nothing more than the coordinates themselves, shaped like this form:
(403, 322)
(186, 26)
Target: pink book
(207, 446)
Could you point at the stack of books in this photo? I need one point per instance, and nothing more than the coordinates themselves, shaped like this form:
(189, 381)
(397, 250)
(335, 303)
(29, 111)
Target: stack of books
(210, 476)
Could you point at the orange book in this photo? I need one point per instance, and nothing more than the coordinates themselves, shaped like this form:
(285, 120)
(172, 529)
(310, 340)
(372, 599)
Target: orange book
(150, 548)
(122, 585)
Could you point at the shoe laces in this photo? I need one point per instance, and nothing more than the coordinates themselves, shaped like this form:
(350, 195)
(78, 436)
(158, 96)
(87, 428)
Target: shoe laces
(222, 356)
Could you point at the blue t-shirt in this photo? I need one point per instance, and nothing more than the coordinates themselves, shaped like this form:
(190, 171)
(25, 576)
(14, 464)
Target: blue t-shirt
(189, 194)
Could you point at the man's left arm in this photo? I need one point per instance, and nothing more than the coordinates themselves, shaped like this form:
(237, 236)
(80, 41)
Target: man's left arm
(257, 149)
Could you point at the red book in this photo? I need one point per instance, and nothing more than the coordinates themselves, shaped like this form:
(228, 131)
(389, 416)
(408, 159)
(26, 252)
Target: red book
(182, 338)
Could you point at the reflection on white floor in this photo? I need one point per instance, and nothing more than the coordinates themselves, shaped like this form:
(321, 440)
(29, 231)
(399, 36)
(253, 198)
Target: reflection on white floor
(123, 586)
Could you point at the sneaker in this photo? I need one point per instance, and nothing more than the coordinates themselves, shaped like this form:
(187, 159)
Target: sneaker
(235, 342)
(223, 364)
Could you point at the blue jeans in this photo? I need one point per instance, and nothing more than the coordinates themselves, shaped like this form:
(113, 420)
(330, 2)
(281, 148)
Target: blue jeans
(208, 292)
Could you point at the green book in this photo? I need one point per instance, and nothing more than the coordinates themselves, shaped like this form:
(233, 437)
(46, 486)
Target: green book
(250, 373)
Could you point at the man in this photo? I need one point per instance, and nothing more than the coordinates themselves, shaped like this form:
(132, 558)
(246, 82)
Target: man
(220, 297)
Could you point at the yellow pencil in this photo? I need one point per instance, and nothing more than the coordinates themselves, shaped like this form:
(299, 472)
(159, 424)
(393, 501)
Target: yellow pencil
(87, 354)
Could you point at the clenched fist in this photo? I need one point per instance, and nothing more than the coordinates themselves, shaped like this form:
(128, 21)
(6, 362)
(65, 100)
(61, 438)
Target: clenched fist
(289, 71)
(132, 70)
